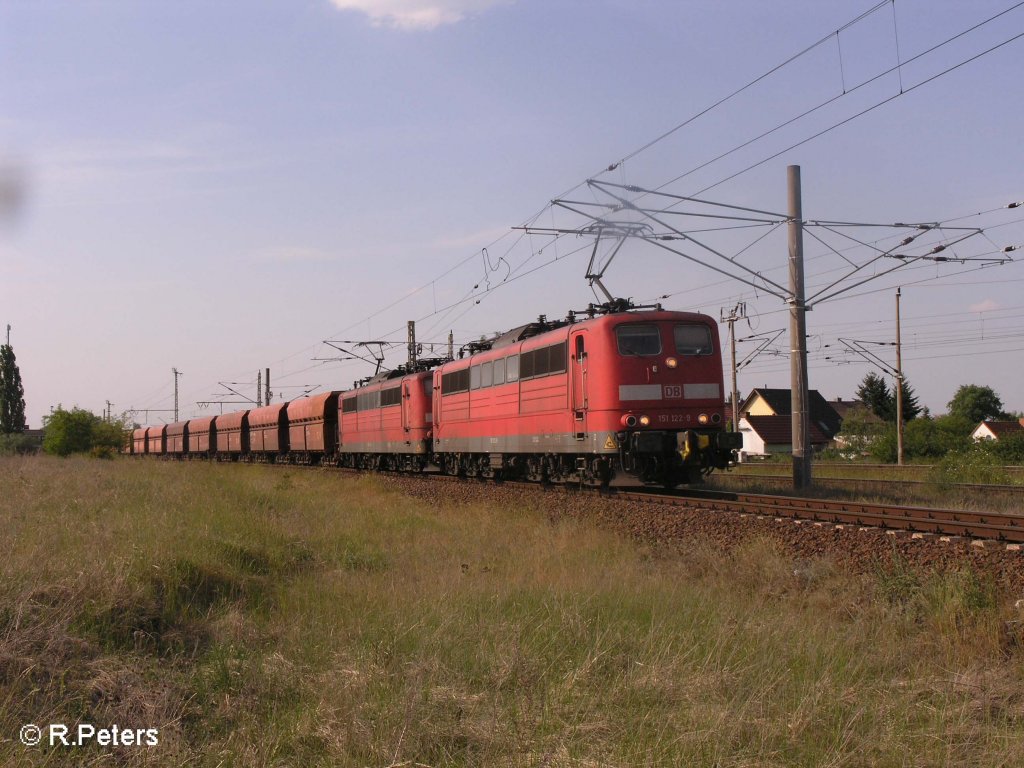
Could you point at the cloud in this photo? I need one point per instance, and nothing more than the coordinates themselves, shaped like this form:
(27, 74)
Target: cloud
(416, 14)
(984, 306)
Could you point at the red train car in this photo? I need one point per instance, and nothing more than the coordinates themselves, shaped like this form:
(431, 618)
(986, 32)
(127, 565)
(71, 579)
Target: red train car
(386, 423)
(233, 435)
(156, 439)
(634, 392)
(268, 431)
(313, 428)
(202, 436)
(177, 438)
(139, 445)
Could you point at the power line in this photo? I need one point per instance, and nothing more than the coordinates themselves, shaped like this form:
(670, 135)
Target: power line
(476, 298)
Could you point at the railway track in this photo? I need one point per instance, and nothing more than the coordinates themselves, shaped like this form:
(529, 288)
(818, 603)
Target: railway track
(850, 483)
(920, 521)
(923, 521)
(982, 528)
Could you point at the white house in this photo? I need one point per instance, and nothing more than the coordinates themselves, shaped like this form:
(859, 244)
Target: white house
(994, 430)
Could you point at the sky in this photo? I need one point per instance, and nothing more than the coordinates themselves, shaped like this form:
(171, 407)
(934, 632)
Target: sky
(221, 187)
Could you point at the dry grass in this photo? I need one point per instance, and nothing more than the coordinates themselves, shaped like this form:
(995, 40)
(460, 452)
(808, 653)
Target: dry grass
(261, 616)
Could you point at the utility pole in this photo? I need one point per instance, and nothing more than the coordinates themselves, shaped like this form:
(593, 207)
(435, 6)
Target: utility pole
(266, 386)
(451, 345)
(259, 388)
(899, 386)
(108, 414)
(736, 313)
(176, 373)
(798, 335)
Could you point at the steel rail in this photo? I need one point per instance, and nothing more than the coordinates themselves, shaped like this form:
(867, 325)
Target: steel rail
(843, 482)
(947, 522)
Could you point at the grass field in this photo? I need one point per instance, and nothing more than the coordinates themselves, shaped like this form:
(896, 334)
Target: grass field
(267, 616)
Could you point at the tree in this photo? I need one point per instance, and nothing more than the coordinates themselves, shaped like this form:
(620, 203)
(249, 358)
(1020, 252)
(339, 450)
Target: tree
(911, 407)
(875, 394)
(81, 431)
(881, 401)
(68, 432)
(858, 432)
(974, 403)
(12, 394)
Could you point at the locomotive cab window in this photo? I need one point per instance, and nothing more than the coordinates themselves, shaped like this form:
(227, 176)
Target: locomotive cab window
(512, 368)
(638, 339)
(692, 339)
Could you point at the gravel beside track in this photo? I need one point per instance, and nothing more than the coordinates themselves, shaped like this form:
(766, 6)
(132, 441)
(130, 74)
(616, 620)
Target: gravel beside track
(854, 548)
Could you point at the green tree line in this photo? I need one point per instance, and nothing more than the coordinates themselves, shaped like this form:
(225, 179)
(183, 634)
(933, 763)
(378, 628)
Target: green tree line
(926, 437)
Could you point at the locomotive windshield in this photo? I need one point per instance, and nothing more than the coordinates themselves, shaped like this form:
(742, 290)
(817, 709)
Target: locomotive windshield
(692, 340)
(638, 339)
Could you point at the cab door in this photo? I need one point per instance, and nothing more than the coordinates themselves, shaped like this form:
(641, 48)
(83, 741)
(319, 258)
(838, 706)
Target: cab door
(578, 363)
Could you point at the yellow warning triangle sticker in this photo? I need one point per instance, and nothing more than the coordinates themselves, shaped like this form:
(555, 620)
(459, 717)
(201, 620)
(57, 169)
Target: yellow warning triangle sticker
(610, 443)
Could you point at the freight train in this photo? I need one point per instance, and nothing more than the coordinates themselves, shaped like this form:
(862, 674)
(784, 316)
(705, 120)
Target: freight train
(608, 395)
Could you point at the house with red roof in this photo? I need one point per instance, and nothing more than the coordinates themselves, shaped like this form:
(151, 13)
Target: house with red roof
(997, 430)
(766, 422)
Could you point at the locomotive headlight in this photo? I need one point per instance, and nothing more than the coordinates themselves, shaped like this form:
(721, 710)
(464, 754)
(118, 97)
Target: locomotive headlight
(671, 362)
(645, 420)
(629, 420)
(703, 418)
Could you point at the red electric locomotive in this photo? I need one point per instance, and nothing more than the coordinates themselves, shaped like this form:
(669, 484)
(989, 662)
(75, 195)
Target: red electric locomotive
(386, 423)
(638, 393)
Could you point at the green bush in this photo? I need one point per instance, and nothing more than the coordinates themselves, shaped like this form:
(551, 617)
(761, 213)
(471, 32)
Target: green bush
(81, 431)
(1009, 450)
(924, 438)
(974, 465)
